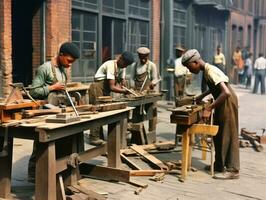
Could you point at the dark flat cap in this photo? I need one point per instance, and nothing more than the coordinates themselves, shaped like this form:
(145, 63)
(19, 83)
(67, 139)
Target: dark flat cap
(128, 57)
(70, 49)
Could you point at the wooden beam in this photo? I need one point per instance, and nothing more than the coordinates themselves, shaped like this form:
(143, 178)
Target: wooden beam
(104, 173)
(156, 162)
(61, 164)
(129, 162)
(203, 129)
(151, 172)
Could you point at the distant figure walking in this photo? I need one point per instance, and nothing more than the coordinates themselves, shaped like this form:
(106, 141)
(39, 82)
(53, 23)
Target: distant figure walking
(259, 67)
(249, 70)
(219, 59)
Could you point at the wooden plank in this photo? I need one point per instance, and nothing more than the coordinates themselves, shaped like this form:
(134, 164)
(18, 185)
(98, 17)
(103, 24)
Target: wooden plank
(62, 194)
(203, 129)
(91, 194)
(104, 173)
(113, 145)
(138, 183)
(45, 187)
(156, 162)
(129, 162)
(5, 171)
(151, 172)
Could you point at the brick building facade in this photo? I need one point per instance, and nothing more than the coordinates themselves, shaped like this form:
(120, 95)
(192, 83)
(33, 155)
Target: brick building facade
(104, 28)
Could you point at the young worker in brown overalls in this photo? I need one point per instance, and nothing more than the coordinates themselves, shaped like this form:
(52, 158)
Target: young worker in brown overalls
(225, 115)
(107, 76)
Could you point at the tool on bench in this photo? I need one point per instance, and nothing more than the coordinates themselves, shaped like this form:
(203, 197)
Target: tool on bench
(144, 82)
(64, 117)
(131, 91)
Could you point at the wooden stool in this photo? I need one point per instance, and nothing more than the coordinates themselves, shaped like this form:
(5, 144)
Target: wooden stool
(210, 130)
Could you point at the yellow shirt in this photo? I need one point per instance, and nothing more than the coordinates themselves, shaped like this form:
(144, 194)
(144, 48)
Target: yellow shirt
(214, 74)
(219, 59)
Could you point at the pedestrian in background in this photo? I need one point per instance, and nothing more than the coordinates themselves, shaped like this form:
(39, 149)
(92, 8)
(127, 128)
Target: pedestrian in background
(249, 70)
(219, 59)
(225, 115)
(259, 67)
(182, 73)
(238, 64)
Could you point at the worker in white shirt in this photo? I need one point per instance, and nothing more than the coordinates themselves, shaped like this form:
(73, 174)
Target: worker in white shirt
(259, 67)
(106, 78)
(145, 76)
(182, 73)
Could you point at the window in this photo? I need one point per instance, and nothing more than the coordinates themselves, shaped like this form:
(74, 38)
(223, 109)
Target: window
(250, 6)
(114, 6)
(84, 26)
(139, 8)
(138, 34)
(241, 2)
(235, 3)
(249, 36)
(216, 38)
(93, 4)
(240, 37)
(180, 21)
(234, 37)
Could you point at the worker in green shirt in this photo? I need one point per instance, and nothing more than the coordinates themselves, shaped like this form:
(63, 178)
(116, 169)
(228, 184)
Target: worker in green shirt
(49, 83)
(51, 77)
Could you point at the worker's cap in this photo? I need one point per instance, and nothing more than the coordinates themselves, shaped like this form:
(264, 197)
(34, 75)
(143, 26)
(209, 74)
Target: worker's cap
(127, 57)
(180, 48)
(70, 49)
(190, 56)
(143, 50)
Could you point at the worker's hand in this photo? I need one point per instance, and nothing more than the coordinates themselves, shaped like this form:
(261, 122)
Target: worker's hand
(151, 86)
(124, 82)
(206, 114)
(57, 86)
(126, 91)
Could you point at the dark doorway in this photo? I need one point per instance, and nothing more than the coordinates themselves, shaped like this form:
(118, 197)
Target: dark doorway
(22, 14)
(113, 38)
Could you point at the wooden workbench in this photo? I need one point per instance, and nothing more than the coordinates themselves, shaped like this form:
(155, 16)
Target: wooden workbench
(145, 109)
(186, 119)
(54, 135)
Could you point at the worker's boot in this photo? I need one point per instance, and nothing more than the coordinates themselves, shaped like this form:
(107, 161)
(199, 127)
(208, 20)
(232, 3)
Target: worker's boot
(94, 137)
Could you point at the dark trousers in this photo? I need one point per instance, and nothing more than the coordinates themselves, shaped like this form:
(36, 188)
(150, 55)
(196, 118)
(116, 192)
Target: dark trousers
(259, 79)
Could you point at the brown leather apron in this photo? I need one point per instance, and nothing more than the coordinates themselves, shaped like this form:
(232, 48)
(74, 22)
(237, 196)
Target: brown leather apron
(101, 88)
(140, 78)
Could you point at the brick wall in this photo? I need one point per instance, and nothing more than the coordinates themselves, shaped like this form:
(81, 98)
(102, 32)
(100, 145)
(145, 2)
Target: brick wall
(58, 29)
(5, 47)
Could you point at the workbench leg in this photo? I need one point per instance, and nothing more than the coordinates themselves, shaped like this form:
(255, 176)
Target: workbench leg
(204, 147)
(5, 171)
(123, 131)
(45, 187)
(191, 144)
(113, 145)
(185, 150)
